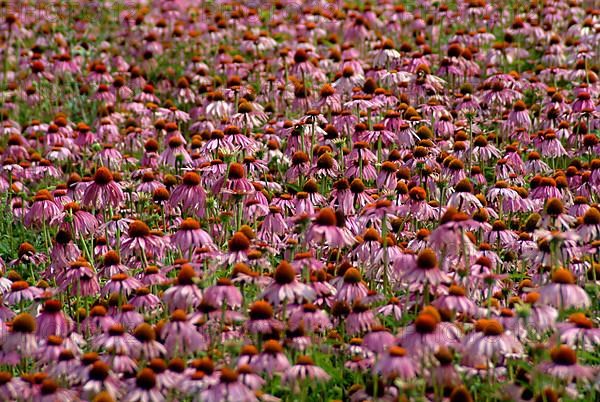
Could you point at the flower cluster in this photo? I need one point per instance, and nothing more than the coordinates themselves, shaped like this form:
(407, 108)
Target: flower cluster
(366, 201)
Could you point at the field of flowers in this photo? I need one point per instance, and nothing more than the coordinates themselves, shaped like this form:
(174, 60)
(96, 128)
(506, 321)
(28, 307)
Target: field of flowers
(299, 201)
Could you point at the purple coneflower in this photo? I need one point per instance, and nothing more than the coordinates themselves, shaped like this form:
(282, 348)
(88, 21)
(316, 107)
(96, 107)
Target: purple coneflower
(352, 288)
(563, 293)
(180, 335)
(184, 294)
(540, 316)
(146, 388)
(500, 235)
(580, 331)
(491, 344)
(378, 339)
(223, 293)
(589, 230)
(456, 301)
(191, 235)
(272, 359)
(310, 318)
(21, 339)
(103, 191)
(175, 153)
(324, 230)
(21, 291)
(360, 319)
(190, 195)
(235, 184)
(53, 321)
(111, 265)
(49, 391)
(149, 183)
(555, 216)
(147, 347)
(129, 316)
(144, 300)
(42, 211)
(116, 339)
(444, 374)
(152, 276)
(326, 167)
(249, 378)
(396, 363)
(285, 287)
(140, 241)
(239, 247)
(305, 369)
(228, 388)
(97, 321)
(101, 379)
(565, 367)
(393, 308)
(261, 319)
(425, 270)
(121, 284)
(11, 388)
(425, 336)
(519, 116)
(81, 222)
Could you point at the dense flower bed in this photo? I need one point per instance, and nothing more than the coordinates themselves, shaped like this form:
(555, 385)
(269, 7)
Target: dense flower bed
(223, 201)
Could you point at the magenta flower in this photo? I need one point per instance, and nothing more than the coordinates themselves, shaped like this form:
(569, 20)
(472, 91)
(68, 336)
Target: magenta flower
(235, 184)
(145, 300)
(42, 211)
(53, 321)
(491, 344)
(271, 360)
(563, 365)
(352, 288)
(116, 340)
(541, 317)
(190, 195)
(103, 191)
(175, 153)
(111, 265)
(20, 292)
(228, 388)
(21, 340)
(121, 284)
(190, 235)
(223, 293)
(378, 340)
(261, 319)
(425, 270)
(563, 293)
(141, 242)
(305, 369)
(426, 335)
(579, 331)
(97, 321)
(145, 389)
(285, 288)
(361, 319)
(395, 363)
(147, 346)
(249, 378)
(324, 230)
(457, 302)
(310, 318)
(99, 379)
(180, 335)
(184, 294)
(73, 218)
